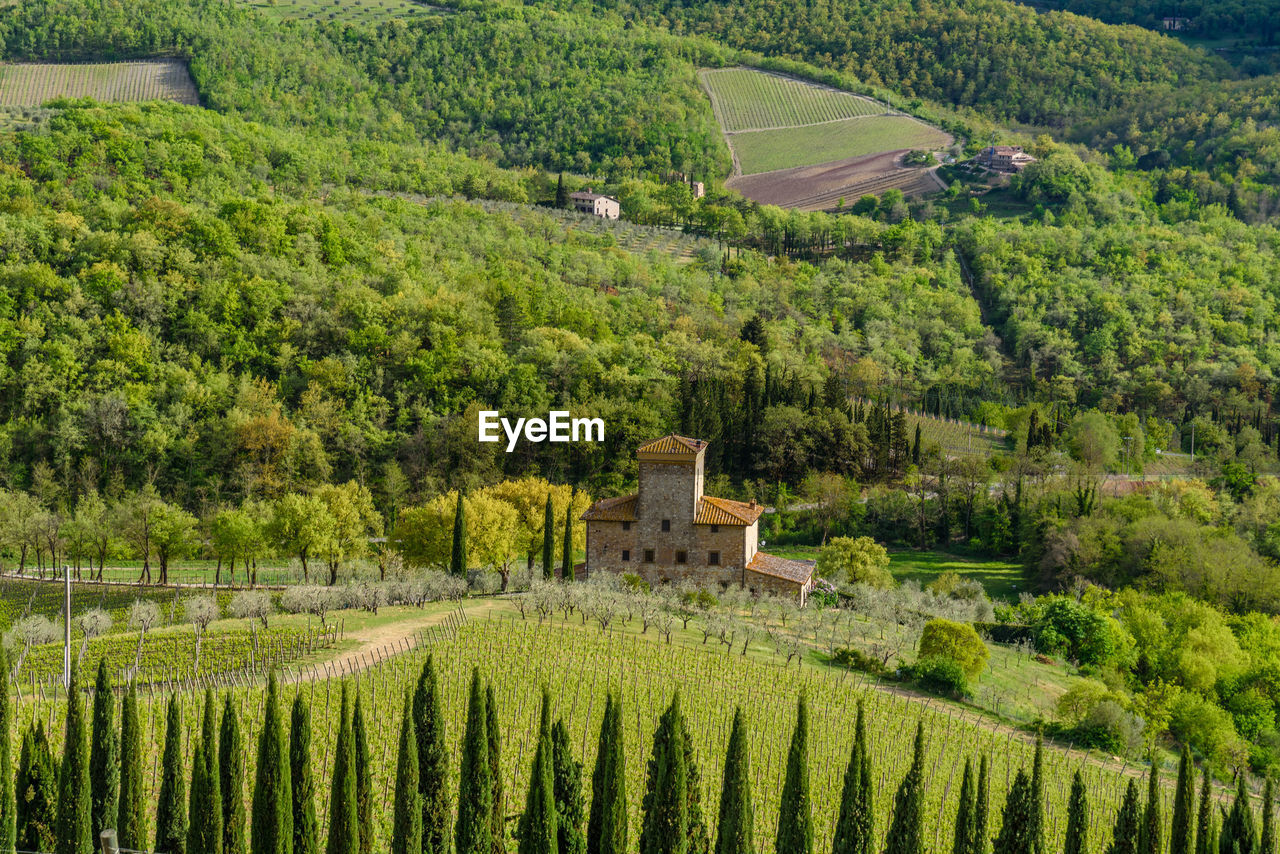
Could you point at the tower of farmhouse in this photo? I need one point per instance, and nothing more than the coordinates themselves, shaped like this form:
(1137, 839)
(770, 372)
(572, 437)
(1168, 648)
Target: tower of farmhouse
(670, 531)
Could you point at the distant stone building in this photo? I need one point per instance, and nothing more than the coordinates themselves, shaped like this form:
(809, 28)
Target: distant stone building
(596, 204)
(1004, 158)
(1176, 24)
(669, 531)
(699, 189)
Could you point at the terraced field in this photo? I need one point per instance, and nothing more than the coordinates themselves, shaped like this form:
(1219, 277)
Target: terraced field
(809, 145)
(342, 11)
(32, 84)
(746, 99)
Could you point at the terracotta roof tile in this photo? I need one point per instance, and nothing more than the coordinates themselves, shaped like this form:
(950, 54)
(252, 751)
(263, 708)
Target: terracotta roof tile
(792, 570)
(722, 511)
(672, 444)
(620, 509)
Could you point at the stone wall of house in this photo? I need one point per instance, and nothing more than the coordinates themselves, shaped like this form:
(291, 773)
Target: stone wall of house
(606, 542)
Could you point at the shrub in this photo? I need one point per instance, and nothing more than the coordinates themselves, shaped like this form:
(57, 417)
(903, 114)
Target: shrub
(939, 675)
(858, 561)
(956, 641)
(1206, 727)
(856, 659)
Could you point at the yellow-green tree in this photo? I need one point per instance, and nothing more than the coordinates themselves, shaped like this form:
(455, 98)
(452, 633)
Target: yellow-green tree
(355, 519)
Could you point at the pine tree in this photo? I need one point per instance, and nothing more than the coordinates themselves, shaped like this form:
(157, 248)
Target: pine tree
(1150, 838)
(906, 830)
(8, 799)
(538, 823)
(981, 810)
(271, 818)
(1182, 831)
(36, 808)
(1036, 799)
(1124, 835)
(72, 835)
(306, 833)
(204, 815)
(171, 808)
(548, 540)
(458, 555)
(231, 773)
(854, 826)
(1268, 841)
(406, 829)
(665, 808)
(344, 824)
(566, 777)
(795, 820)
(131, 818)
(607, 824)
(1205, 834)
(498, 822)
(962, 837)
(734, 829)
(566, 557)
(474, 830)
(1017, 827)
(433, 762)
(1077, 818)
(1239, 836)
(364, 778)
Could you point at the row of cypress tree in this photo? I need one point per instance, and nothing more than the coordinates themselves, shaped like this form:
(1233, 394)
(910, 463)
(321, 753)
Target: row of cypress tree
(62, 807)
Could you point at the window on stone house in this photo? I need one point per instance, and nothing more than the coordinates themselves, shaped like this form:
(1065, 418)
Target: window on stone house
(626, 554)
(648, 555)
(715, 529)
(682, 557)
(713, 558)
(666, 525)
(626, 526)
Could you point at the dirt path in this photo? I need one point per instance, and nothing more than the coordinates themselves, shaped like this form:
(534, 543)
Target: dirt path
(375, 644)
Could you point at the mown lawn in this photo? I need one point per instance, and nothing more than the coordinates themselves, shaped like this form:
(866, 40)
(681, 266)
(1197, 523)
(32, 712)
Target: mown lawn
(1001, 579)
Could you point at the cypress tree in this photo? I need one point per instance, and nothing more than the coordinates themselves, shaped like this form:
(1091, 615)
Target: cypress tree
(433, 762)
(1150, 838)
(36, 808)
(538, 823)
(406, 828)
(562, 193)
(734, 829)
(458, 555)
(854, 827)
(8, 798)
(1239, 836)
(1077, 818)
(171, 809)
(1124, 836)
(1205, 843)
(906, 830)
(795, 820)
(566, 557)
(607, 823)
(474, 830)
(499, 822)
(697, 832)
(271, 818)
(204, 820)
(1036, 802)
(665, 804)
(344, 824)
(131, 819)
(364, 778)
(231, 782)
(566, 780)
(962, 838)
(1017, 826)
(548, 540)
(306, 833)
(73, 835)
(1268, 841)
(981, 809)
(1182, 831)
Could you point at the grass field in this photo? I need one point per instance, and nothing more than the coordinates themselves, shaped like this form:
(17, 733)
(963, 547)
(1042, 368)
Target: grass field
(746, 99)
(1001, 579)
(769, 150)
(341, 11)
(578, 664)
(32, 84)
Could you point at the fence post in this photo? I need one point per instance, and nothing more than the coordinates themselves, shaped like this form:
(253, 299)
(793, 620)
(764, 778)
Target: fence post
(109, 844)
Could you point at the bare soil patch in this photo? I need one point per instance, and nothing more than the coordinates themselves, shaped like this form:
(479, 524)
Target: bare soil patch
(822, 186)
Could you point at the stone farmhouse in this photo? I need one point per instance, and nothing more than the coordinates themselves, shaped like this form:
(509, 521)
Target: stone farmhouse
(1004, 158)
(596, 204)
(670, 531)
